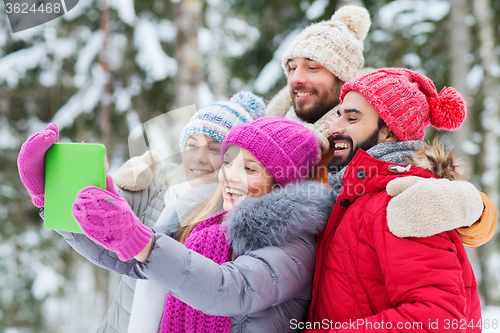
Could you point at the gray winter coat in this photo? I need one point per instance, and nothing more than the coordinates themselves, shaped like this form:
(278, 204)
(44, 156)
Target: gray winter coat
(267, 285)
(147, 205)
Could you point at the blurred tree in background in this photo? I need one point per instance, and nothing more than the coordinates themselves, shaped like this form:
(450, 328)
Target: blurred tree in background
(107, 66)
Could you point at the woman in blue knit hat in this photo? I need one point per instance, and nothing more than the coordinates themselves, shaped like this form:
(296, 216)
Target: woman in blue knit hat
(200, 142)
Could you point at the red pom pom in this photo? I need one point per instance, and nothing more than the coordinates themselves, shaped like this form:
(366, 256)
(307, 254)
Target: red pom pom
(448, 110)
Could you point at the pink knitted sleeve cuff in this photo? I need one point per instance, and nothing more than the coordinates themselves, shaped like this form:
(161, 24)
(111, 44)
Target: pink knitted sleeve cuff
(136, 243)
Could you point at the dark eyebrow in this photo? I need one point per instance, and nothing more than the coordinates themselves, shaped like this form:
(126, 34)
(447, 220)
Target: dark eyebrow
(192, 138)
(352, 111)
(291, 60)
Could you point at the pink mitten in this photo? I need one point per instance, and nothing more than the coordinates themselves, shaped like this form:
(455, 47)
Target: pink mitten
(31, 162)
(107, 219)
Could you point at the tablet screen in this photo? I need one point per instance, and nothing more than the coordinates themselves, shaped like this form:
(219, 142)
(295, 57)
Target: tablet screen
(70, 167)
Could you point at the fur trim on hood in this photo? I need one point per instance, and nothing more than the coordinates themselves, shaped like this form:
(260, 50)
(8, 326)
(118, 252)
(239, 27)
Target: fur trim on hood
(279, 217)
(442, 162)
(273, 219)
(425, 207)
(280, 104)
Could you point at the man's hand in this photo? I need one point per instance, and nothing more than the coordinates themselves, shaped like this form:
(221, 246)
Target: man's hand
(423, 207)
(138, 172)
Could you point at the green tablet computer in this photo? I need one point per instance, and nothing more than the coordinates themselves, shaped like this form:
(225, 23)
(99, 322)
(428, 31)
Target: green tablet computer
(70, 167)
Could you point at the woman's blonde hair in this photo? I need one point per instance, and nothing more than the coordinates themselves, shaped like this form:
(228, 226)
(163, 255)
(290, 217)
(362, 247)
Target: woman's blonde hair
(203, 211)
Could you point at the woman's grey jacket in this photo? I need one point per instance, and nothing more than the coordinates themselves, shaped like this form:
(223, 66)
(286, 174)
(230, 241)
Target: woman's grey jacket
(147, 204)
(267, 285)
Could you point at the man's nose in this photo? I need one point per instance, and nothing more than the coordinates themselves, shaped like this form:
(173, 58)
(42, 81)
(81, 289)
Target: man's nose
(298, 76)
(336, 128)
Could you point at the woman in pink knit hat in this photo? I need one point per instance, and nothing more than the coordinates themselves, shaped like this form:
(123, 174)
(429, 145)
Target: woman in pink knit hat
(136, 182)
(239, 261)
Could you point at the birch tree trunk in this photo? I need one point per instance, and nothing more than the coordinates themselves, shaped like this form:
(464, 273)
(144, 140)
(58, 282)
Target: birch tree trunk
(102, 275)
(459, 48)
(188, 18)
(218, 73)
(490, 119)
(106, 104)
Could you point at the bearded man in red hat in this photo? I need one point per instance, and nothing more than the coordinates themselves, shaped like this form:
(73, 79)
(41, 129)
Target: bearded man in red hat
(369, 275)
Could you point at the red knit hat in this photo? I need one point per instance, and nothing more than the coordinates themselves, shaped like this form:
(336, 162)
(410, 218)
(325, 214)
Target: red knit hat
(408, 102)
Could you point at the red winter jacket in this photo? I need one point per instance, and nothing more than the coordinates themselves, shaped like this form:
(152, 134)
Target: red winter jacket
(368, 280)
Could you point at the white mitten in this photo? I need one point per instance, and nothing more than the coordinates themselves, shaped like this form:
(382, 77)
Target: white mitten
(138, 172)
(423, 207)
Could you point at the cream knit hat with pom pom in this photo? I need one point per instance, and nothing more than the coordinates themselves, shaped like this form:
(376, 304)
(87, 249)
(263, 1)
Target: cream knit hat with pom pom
(336, 44)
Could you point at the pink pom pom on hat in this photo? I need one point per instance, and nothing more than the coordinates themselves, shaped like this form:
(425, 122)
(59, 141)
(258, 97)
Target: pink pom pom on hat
(408, 102)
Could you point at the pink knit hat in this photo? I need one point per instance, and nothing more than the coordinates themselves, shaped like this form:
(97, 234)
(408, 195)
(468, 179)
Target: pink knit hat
(286, 148)
(408, 101)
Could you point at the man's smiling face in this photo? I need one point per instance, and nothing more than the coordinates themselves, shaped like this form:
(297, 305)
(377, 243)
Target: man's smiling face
(314, 89)
(358, 127)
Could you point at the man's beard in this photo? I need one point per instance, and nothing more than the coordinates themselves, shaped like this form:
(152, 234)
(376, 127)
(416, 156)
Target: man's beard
(337, 163)
(314, 112)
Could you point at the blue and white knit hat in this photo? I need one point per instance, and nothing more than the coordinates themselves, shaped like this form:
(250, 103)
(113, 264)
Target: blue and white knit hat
(217, 119)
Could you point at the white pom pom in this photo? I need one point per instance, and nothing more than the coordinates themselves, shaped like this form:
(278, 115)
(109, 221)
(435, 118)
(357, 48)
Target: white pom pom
(252, 103)
(356, 18)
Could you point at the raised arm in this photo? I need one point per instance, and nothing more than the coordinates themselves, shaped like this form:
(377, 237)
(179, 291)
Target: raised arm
(254, 281)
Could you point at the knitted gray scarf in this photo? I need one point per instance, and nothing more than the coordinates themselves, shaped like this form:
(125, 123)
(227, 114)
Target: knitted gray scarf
(392, 152)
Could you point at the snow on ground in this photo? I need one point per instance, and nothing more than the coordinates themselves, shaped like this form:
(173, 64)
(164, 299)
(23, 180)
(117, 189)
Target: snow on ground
(491, 319)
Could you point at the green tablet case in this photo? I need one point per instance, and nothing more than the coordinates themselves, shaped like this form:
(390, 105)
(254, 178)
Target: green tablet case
(70, 167)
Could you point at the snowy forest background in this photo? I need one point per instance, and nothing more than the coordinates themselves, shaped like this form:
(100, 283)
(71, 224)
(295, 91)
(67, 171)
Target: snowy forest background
(108, 65)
